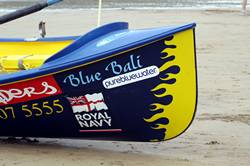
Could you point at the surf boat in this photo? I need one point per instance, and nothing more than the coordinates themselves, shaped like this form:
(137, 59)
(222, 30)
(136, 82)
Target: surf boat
(112, 83)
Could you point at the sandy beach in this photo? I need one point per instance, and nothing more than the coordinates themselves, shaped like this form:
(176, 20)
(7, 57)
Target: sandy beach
(220, 132)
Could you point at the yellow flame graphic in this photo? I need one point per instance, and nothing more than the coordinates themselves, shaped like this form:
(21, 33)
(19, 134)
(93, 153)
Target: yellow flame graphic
(178, 80)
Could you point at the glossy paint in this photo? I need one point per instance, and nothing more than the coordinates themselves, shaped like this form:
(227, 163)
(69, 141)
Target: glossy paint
(31, 52)
(110, 86)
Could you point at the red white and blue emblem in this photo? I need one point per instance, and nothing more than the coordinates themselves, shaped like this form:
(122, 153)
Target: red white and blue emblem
(88, 103)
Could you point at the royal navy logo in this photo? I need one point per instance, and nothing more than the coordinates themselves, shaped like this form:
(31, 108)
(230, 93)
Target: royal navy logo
(90, 110)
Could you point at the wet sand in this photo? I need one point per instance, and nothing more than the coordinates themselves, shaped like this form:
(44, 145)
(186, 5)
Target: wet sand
(220, 132)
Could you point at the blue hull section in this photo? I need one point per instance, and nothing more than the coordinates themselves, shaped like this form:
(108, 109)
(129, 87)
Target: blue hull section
(98, 87)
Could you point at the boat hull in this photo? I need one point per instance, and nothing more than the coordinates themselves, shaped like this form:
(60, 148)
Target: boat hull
(146, 93)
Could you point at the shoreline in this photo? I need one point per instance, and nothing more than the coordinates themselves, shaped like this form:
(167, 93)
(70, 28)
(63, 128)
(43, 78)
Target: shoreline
(201, 8)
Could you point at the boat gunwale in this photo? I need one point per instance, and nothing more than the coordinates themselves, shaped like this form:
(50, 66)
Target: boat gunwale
(47, 39)
(42, 72)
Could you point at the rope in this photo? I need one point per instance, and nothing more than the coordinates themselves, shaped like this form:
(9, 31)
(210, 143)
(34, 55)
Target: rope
(99, 13)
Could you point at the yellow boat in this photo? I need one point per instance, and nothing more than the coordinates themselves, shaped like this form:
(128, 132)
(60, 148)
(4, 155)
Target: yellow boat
(24, 54)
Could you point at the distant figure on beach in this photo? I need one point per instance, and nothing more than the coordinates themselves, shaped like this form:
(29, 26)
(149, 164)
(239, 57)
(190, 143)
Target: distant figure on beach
(244, 7)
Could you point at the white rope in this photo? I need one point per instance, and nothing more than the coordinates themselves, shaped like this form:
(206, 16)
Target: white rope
(99, 13)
